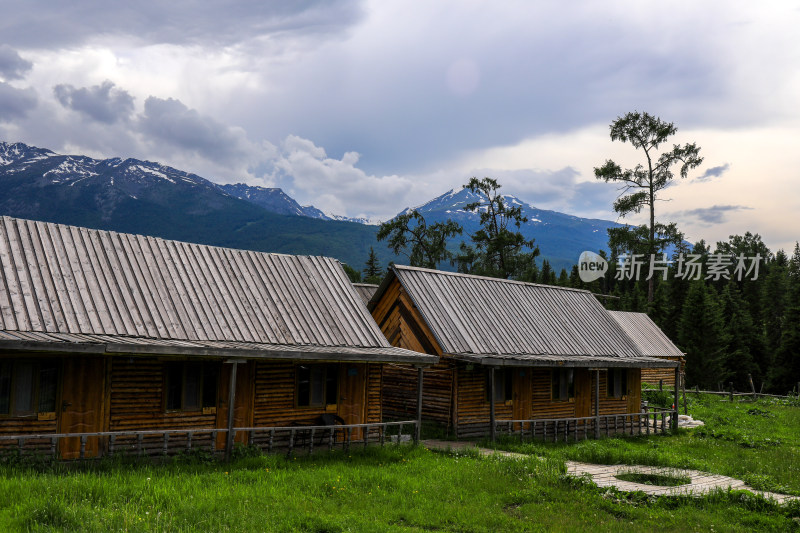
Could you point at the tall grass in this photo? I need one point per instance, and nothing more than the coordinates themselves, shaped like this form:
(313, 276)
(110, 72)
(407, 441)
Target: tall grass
(404, 488)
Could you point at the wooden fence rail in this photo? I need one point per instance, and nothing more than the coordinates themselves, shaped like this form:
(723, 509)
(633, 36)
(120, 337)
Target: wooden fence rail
(170, 441)
(652, 421)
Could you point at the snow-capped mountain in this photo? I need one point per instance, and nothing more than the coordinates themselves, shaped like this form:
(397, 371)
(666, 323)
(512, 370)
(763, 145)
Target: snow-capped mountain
(149, 198)
(560, 237)
(273, 199)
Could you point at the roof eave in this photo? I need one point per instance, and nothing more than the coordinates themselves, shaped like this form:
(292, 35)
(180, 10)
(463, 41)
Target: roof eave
(378, 355)
(550, 361)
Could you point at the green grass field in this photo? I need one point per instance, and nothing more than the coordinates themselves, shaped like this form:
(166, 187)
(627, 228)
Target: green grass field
(412, 489)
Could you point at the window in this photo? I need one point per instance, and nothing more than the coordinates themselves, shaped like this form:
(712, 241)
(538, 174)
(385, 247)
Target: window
(563, 384)
(502, 385)
(190, 386)
(617, 385)
(317, 385)
(28, 387)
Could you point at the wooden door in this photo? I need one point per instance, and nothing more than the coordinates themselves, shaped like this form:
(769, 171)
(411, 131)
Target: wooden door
(81, 411)
(242, 403)
(522, 393)
(352, 386)
(634, 390)
(583, 393)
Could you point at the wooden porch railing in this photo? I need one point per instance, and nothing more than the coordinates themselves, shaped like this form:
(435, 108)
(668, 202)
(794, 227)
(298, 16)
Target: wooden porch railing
(652, 421)
(165, 442)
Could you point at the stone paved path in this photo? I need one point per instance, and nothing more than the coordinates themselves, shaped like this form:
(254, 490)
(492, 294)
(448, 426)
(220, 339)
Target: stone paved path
(604, 475)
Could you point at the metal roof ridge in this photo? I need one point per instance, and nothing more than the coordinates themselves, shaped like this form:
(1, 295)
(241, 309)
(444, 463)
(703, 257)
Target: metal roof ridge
(489, 278)
(162, 239)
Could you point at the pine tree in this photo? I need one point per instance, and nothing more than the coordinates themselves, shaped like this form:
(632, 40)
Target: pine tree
(372, 273)
(774, 304)
(786, 371)
(741, 338)
(701, 336)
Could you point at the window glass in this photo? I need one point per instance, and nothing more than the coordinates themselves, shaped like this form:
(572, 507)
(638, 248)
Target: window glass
(502, 385)
(210, 378)
(303, 385)
(617, 382)
(563, 384)
(5, 388)
(332, 384)
(193, 375)
(174, 385)
(23, 388)
(48, 381)
(317, 384)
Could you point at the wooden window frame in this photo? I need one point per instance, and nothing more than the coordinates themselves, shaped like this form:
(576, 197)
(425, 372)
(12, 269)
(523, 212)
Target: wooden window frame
(207, 368)
(504, 393)
(38, 365)
(557, 382)
(617, 378)
(330, 374)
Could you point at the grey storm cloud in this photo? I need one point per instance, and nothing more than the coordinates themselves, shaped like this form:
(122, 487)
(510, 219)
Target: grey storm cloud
(714, 172)
(104, 103)
(175, 22)
(712, 215)
(172, 122)
(15, 103)
(12, 66)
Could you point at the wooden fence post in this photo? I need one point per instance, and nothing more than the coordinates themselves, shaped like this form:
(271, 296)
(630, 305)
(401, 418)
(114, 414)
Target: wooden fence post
(752, 386)
(731, 385)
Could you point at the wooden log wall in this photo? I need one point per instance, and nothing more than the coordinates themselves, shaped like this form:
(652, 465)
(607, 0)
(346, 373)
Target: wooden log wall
(473, 408)
(403, 326)
(651, 376)
(400, 392)
(543, 404)
(274, 399)
(11, 425)
(374, 392)
(137, 396)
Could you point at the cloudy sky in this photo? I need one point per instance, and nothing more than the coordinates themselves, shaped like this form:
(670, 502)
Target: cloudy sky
(364, 108)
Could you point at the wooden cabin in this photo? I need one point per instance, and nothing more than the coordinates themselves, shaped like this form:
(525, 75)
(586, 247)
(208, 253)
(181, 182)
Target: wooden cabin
(109, 332)
(651, 342)
(508, 351)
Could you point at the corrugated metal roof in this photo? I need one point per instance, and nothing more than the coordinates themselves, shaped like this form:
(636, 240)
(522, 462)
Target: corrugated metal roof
(497, 319)
(645, 334)
(365, 291)
(58, 279)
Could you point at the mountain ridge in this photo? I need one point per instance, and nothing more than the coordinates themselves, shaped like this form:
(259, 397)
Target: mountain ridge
(149, 198)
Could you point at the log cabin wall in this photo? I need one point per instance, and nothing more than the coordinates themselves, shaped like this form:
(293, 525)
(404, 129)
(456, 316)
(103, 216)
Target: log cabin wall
(403, 326)
(474, 409)
(374, 393)
(543, 404)
(274, 403)
(27, 424)
(400, 392)
(630, 403)
(652, 376)
(137, 398)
